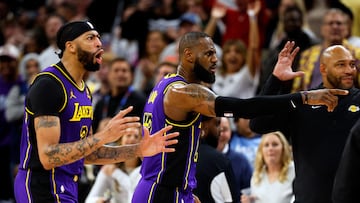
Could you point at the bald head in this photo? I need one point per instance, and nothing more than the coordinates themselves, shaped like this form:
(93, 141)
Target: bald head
(334, 51)
(338, 67)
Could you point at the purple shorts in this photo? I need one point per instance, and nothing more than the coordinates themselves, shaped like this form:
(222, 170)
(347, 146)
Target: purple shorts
(150, 192)
(40, 188)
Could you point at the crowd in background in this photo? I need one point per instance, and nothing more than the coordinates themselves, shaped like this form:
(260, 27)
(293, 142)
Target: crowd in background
(140, 39)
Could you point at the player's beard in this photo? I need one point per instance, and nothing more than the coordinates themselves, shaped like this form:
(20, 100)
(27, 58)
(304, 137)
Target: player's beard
(87, 59)
(203, 74)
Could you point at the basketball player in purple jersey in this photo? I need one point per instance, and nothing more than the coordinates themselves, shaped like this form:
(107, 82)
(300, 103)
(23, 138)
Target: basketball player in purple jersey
(56, 137)
(180, 100)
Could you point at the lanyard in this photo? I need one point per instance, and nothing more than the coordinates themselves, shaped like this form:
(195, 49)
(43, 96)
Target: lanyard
(122, 102)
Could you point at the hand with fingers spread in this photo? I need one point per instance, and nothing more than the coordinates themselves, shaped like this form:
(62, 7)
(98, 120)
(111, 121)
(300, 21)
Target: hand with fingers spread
(119, 126)
(157, 142)
(283, 70)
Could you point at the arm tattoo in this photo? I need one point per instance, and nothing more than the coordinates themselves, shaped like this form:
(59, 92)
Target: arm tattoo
(65, 153)
(46, 122)
(199, 93)
(113, 154)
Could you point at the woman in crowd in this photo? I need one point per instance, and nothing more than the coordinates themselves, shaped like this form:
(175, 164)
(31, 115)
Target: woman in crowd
(274, 171)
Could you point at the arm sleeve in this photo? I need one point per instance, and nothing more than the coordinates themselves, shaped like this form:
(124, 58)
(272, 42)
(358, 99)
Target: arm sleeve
(256, 106)
(46, 96)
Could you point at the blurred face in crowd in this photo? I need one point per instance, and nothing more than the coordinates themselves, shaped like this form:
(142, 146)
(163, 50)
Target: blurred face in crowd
(120, 75)
(234, 54)
(272, 149)
(8, 68)
(52, 26)
(163, 70)
(333, 27)
(225, 130)
(132, 138)
(32, 68)
(292, 22)
(211, 129)
(155, 42)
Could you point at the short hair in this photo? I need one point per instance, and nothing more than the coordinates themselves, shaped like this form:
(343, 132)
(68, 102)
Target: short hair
(190, 39)
(121, 59)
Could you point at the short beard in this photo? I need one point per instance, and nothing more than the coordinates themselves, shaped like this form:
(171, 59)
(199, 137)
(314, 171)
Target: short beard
(86, 58)
(203, 74)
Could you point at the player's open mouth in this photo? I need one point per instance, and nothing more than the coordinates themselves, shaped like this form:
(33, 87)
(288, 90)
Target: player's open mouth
(98, 56)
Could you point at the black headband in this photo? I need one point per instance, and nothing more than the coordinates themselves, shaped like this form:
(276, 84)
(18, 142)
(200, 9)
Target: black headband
(70, 31)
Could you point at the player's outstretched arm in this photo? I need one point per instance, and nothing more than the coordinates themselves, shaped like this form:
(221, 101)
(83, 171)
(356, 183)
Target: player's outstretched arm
(148, 146)
(53, 154)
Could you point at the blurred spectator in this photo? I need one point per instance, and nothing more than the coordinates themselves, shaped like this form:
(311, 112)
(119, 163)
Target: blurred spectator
(240, 164)
(34, 41)
(214, 173)
(15, 100)
(135, 24)
(103, 15)
(121, 95)
(236, 77)
(274, 171)
(156, 41)
(5, 14)
(333, 33)
(208, 18)
(316, 10)
(66, 10)
(48, 56)
(165, 17)
(115, 183)
(12, 32)
(189, 22)
(353, 40)
(163, 69)
(9, 77)
(292, 21)
(239, 73)
(244, 140)
(28, 68)
(279, 33)
(234, 18)
(354, 5)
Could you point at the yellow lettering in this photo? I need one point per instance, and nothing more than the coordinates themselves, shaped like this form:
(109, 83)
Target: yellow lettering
(81, 112)
(152, 97)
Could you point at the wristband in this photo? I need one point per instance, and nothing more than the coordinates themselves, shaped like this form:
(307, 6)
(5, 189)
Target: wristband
(305, 93)
(251, 14)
